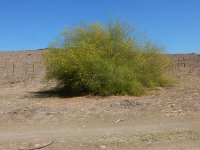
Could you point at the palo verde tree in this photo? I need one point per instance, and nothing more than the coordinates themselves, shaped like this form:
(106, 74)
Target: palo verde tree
(105, 60)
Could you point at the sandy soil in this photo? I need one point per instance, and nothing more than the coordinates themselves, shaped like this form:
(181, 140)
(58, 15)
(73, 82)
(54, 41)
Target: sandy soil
(164, 119)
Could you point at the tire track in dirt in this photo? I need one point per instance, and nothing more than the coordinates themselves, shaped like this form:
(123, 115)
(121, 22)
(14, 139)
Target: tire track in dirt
(94, 132)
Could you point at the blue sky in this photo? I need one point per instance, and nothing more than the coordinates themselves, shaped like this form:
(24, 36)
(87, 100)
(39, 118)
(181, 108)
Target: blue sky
(33, 24)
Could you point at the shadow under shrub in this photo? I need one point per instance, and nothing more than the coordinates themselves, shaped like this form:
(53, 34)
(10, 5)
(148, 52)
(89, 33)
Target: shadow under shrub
(105, 60)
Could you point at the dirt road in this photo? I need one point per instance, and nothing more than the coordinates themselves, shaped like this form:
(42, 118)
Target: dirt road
(174, 135)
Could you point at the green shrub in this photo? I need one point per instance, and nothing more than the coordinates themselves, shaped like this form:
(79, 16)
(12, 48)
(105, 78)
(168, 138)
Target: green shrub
(105, 60)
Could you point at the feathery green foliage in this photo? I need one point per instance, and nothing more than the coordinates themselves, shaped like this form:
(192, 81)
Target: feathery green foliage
(105, 60)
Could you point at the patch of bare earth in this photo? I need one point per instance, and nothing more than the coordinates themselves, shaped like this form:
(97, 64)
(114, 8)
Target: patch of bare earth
(166, 118)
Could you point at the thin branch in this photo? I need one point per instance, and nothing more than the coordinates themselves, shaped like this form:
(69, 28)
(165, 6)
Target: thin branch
(39, 147)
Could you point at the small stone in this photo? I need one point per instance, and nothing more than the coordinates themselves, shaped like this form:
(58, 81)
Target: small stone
(167, 115)
(158, 88)
(172, 105)
(48, 113)
(21, 147)
(37, 145)
(103, 146)
(119, 120)
(179, 111)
